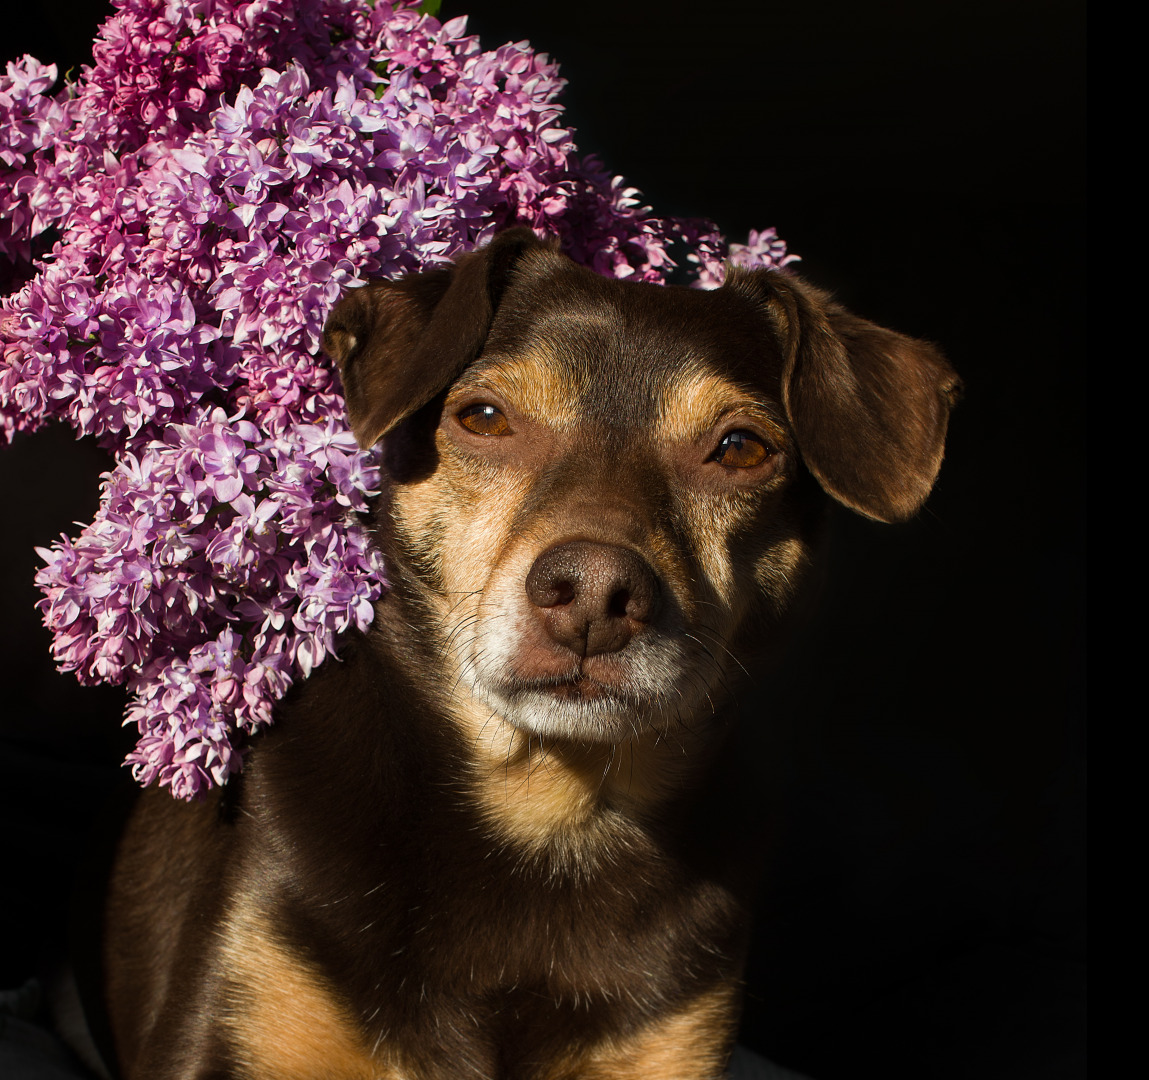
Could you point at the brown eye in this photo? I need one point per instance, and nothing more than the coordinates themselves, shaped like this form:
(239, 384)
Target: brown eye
(741, 450)
(484, 420)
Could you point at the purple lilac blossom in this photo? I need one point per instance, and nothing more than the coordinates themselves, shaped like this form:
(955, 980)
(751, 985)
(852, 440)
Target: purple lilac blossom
(177, 223)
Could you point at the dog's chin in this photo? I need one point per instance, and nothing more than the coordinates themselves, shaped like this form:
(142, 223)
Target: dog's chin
(576, 710)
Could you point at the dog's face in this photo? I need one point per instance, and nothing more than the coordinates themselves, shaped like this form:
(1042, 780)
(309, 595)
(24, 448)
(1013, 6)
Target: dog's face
(608, 504)
(603, 489)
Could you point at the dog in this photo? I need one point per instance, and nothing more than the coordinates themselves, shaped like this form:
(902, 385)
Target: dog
(497, 838)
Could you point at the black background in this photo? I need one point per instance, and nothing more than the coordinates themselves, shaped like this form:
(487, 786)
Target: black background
(924, 748)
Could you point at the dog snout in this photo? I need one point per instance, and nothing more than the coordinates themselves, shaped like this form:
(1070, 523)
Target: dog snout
(592, 597)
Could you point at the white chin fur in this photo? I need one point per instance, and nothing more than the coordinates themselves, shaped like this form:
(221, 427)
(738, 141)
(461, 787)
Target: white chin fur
(601, 719)
(648, 690)
(653, 684)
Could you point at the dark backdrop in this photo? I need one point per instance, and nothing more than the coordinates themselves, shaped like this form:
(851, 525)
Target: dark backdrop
(923, 751)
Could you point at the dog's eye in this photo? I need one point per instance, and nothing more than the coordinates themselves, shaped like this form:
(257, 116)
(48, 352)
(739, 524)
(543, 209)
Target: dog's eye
(484, 420)
(741, 450)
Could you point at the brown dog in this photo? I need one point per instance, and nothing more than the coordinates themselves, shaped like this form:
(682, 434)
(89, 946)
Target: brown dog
(495, 840)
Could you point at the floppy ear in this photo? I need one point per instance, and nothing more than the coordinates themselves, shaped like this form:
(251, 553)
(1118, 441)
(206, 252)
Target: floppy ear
(398, 343)
(869, 407)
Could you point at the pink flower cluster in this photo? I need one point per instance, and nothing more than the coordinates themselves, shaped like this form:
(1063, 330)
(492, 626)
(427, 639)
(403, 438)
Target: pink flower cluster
(180, 221)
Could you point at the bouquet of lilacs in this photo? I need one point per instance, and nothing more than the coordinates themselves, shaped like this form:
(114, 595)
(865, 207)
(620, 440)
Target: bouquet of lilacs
(175, 226)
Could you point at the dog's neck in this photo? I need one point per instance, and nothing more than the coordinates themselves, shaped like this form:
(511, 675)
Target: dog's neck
(544, 794)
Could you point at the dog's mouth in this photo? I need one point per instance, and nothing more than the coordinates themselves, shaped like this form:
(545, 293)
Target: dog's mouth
(609, 705)
(576, 687)
(540, 676)
(620, 678)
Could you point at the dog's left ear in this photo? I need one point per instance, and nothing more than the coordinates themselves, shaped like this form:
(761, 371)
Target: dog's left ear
(869, 407)
(398, 343)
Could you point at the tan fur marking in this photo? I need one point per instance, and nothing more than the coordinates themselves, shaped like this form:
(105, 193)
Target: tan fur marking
(536, 383)
(285, 1020)
(692, 405)
(780, 571)
(561, 796)
(475, 539)
(691, 408)
(693, 1044)
(711, 523)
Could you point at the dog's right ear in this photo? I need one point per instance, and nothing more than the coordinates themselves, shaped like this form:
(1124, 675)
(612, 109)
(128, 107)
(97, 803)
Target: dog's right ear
(869, 406)
(399, 343)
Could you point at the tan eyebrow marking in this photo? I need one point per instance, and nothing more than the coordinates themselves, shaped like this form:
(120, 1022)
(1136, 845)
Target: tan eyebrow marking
(692, 405)
(536, 383)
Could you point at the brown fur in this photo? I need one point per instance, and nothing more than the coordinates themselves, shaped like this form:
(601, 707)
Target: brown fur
(497, 839)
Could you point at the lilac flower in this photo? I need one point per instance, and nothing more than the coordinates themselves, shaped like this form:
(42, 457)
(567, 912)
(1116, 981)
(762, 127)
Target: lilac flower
(216, 178)
(28, 120)
(228, 463)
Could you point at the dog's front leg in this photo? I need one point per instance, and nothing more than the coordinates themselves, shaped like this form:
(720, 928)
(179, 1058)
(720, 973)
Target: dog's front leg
(693, 1043)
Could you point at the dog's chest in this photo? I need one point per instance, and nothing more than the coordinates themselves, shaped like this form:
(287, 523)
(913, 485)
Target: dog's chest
(511, 962)
(500, 920)
(485, 961)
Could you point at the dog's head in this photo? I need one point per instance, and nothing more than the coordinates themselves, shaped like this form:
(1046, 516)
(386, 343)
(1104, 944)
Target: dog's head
(602, 488)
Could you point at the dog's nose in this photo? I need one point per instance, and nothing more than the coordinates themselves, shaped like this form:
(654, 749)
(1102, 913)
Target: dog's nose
(593, 598)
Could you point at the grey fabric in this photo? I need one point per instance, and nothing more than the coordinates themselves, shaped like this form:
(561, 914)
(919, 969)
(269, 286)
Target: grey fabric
(747, 1065)
(28, 1049)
